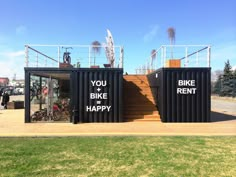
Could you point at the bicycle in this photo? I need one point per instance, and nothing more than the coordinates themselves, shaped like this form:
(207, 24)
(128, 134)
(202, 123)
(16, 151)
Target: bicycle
(66, 55)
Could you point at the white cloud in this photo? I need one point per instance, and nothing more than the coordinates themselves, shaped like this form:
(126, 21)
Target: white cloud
(12, 63)
(13, 54)
(151, 33)
(20, 30)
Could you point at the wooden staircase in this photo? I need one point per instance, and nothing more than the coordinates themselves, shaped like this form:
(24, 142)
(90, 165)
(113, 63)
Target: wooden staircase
(138, 101)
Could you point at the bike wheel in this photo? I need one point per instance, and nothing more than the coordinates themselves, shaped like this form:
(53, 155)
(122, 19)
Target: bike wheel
(57, 116)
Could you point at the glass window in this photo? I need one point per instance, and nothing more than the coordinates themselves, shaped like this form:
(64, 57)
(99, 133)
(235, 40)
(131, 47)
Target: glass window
(50, 97)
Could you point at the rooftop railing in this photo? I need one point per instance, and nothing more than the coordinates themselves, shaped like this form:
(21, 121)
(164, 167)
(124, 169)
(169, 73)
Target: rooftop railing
(188, 56)
(85, 56)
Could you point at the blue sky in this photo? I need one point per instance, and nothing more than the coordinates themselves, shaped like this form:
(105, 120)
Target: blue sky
(139, 26)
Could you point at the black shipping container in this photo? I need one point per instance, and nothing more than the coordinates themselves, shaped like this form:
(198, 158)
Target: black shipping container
(182, 94)
(95, 93)
(98, 95)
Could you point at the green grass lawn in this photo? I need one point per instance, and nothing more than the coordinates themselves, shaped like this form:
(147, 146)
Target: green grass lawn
(118, 156)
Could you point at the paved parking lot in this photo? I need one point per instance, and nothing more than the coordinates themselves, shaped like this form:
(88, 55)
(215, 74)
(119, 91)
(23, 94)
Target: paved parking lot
(224, 106)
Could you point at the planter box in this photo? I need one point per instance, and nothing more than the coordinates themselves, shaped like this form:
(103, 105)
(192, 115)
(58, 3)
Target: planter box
(15, 105)
(65, 65)
(94, 66)
(107, 65)
(173, 63)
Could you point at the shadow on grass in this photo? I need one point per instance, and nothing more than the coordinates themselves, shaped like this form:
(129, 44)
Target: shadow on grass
(219, 117)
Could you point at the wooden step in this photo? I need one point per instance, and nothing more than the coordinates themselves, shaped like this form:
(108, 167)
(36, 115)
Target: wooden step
(137, 87)
(136, 81)
(141, 93)
(137, 97)
(143, 82)
(139, 104)
(138, 116)
(137, 92)
(140, 112)
(142, 99)
(143, 120)
(139, 100)
(135, 75)
(139, 107)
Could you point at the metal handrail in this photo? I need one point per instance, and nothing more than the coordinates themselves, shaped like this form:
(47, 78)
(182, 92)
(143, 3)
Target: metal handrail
(162, 51)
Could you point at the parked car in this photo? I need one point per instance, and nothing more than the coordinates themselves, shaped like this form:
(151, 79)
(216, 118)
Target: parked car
(18, 91)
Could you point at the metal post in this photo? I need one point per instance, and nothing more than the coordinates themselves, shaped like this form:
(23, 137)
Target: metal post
(37, 59)
(186, 56)
(40, 97)
(151, 63)
(26, 55)
(47, 99)
(162, 56)
(58, 55)
(114, 60)
(209, 56)
(147, 66)
(197, 60)
(121, 57)
(155, 66)
(89, 57)
(27, 97)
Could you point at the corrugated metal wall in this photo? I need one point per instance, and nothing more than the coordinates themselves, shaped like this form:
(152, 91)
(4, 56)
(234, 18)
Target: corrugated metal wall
(99, 95)
(104, 83)
(182, 94)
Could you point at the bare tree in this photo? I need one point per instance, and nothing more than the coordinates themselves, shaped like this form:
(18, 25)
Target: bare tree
(171, 36)
(153, 56)
(96, 47)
